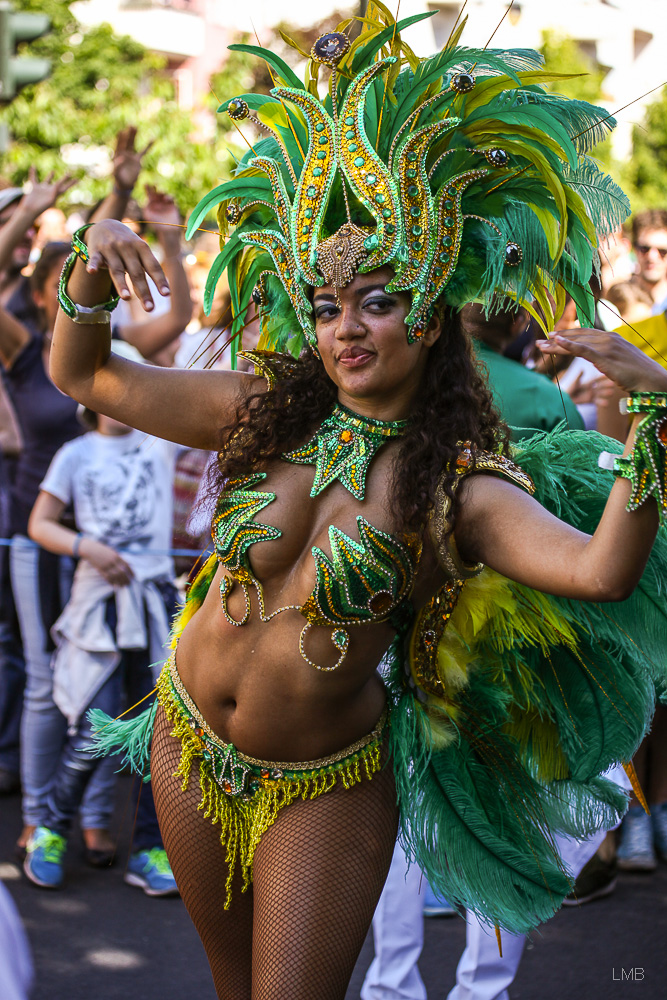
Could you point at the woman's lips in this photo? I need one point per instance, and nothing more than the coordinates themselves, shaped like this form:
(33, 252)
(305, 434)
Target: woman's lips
(355, 360)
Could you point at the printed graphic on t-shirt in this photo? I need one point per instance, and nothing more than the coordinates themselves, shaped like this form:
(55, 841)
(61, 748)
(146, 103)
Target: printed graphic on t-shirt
(122, 498)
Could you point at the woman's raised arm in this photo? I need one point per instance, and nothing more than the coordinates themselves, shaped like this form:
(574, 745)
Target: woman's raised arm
(188, 407)
(512, 533)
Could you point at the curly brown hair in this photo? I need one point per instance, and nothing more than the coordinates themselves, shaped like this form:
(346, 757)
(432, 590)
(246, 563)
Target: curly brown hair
(454, 404)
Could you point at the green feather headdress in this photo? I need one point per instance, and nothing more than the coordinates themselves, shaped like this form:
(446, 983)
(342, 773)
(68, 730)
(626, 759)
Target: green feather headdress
(459, 171)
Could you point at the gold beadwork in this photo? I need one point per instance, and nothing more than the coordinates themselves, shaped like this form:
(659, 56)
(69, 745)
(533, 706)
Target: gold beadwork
(339, 256)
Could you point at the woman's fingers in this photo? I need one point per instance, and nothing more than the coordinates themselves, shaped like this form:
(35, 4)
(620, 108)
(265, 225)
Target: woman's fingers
(137, 273)
(117, 271)
(619, 360)
(127, 257)
(152, 266)
(125, 261)
(95, 262)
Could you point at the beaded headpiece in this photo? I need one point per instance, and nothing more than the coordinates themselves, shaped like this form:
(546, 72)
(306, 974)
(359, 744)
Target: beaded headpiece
(459, 171)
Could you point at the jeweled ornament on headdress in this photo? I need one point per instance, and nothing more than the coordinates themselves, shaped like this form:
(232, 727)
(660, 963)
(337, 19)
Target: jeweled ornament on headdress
(458, 171)
(330, 48)
(339, 256)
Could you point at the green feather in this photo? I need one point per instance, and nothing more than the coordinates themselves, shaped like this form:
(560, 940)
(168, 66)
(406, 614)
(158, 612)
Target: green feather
(605, 202)
(129, 737)
(551, 692)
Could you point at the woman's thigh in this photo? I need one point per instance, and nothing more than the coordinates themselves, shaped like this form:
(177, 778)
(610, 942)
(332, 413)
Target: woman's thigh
(198, 862)
(318, 874)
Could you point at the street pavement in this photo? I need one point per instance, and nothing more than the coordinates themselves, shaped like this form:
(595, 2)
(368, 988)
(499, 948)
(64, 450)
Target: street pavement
(99, 939)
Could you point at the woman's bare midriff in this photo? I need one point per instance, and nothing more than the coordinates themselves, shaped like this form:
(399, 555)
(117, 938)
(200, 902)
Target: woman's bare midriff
(250, 682)
(255, 690)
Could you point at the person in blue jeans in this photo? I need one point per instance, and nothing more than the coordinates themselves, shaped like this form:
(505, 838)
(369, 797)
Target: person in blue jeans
(115, 624)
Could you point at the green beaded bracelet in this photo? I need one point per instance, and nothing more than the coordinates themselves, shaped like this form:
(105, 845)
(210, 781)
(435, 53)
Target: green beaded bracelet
(82, 314)
(646, 465)
(644, 402)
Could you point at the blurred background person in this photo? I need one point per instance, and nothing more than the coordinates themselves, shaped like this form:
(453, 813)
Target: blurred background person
(649, 242)
(41, 582)
(528, 400)
(115, 624)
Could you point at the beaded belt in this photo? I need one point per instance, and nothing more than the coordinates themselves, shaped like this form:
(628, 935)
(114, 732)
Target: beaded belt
(236, 773)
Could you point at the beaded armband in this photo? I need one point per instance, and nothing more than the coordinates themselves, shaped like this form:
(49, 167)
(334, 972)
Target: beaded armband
(646, 465)
(469, 460)
(271, 365)
(81, 314)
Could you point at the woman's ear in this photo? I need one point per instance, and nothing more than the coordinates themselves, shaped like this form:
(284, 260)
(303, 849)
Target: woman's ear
(38, 299)
(433, 329)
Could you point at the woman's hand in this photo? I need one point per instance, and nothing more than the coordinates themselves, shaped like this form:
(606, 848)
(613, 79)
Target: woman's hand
(113, 246)
(107, 562)
(620, 361)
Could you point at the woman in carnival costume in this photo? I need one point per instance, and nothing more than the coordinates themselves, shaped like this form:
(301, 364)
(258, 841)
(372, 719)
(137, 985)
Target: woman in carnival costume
(370, 513)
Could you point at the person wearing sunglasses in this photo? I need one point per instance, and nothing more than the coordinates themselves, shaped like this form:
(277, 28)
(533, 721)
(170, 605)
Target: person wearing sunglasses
(649, 242)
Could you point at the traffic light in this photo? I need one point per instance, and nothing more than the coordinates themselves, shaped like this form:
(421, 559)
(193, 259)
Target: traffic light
(18, 71)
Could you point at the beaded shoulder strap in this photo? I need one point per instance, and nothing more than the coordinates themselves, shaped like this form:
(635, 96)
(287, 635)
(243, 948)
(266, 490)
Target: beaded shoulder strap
(270, 364)
(470, 460)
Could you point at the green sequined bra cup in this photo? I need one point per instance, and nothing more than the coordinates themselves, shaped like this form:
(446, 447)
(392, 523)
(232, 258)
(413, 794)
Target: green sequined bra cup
(363, 582)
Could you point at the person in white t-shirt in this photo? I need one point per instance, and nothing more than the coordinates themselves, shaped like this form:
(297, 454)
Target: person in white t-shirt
(116, 623)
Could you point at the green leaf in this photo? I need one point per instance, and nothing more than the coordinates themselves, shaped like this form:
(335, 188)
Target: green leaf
(254, 101)
(231, 248)
(279, 65)
(248, 188)
(365, 53)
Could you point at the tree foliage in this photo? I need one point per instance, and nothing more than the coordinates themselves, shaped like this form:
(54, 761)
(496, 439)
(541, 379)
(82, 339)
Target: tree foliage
(100, 83)
(562, 54)
(645, 174)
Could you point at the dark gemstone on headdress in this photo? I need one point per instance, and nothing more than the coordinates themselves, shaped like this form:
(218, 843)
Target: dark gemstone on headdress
(497, 157)
(513, 254)
(238, 109)
(257, 296)
(330, 48)
(232, 213)
(462, 83)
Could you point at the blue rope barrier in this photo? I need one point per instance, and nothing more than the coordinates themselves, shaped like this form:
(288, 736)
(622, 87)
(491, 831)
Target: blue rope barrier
(9, 542)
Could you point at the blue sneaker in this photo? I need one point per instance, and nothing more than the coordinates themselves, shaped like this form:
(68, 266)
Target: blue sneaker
(635, 850)
(44, 858)
(151, 871)
(436, 906)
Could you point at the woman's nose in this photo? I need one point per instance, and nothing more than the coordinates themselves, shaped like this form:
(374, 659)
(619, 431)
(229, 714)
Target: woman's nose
(349, 325)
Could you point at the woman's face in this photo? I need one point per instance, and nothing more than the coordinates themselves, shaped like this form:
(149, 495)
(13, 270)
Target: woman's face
(364, 348)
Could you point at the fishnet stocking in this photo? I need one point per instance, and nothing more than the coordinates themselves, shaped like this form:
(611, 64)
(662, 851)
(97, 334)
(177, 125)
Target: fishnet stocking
(318, 874)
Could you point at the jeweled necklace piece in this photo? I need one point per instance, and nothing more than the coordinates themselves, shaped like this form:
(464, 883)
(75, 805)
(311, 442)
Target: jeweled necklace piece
(343, 447)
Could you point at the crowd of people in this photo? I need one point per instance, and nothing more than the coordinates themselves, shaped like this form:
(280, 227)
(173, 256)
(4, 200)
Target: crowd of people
(97, 538)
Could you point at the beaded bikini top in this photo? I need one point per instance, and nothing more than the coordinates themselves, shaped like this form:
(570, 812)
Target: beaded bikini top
(363, 581)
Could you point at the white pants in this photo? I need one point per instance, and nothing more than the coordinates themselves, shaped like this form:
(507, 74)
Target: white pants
(398, 934)
(15, 962)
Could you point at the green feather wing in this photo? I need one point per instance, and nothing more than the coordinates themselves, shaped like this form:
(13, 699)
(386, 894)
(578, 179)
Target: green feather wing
(541, 695)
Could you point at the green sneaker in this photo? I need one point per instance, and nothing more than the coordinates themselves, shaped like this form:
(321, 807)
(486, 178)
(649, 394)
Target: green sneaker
(44, 858)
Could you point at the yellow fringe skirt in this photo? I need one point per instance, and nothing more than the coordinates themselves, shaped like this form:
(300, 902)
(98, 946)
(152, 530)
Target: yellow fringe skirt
(244, 795)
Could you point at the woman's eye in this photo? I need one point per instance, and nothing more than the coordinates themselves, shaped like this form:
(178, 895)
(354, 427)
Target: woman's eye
(381, 303)
(325, 312)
